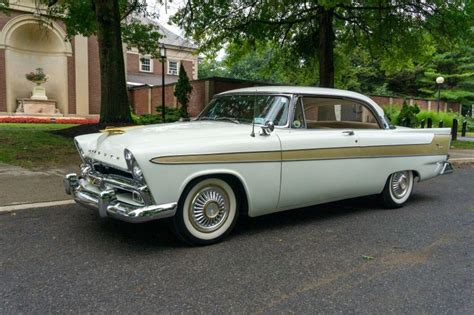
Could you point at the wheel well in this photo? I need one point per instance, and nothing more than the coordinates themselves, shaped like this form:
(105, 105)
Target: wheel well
(416, 175)
(233, 181)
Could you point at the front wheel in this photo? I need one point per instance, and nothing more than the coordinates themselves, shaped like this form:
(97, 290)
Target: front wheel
(398, 189)
(207, 212)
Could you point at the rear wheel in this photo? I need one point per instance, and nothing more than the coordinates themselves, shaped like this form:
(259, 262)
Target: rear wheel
(207, 212)
(398, 189)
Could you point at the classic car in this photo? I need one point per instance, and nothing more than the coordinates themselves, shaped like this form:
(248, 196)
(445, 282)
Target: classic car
(254, 151)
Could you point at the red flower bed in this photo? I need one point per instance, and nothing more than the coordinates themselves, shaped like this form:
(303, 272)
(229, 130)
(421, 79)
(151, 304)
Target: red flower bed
(47, 120)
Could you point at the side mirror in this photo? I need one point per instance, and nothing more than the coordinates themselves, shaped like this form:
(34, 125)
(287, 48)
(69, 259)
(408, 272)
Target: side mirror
(268, 128)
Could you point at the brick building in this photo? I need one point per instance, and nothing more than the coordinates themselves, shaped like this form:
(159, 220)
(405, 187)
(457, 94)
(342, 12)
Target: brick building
(27, 43)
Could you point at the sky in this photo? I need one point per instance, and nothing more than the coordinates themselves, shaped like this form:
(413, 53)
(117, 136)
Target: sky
(166, 10)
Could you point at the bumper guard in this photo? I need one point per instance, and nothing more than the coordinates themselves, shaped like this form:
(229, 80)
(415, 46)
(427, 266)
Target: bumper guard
(446, 168)
(116, 197)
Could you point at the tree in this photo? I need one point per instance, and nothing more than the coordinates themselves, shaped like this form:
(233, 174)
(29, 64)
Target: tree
(114, 22)
(182, 90)
(457, 67)
(313, 29)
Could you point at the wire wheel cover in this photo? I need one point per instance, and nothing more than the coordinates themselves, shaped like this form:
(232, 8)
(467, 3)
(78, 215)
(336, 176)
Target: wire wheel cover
(209, 209)
(400, 184)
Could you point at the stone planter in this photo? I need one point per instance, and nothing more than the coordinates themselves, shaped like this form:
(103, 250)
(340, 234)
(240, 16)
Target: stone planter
(36, 107)
(39, 92)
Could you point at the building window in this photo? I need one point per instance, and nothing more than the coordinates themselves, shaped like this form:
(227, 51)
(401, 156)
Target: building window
(146, 64)
(173, 67)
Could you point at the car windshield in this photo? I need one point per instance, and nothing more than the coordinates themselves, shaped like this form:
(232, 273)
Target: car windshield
(243, 108)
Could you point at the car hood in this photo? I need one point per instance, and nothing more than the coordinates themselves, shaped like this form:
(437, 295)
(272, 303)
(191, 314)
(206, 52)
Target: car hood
(166, 139)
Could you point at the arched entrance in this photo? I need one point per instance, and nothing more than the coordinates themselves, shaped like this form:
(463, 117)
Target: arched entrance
(29, 44)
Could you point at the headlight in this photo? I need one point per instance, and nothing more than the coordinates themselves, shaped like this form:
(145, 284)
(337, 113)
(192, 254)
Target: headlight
(128, 155)
(137, 172)
(132, 166)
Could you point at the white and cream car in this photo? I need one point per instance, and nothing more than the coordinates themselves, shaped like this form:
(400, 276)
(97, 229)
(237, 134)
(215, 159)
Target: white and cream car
(254, 151)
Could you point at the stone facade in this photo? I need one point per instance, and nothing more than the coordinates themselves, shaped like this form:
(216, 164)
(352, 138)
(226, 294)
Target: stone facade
(73, 66)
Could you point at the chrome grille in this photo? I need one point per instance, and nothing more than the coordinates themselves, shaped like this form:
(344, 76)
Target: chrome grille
(108, 170)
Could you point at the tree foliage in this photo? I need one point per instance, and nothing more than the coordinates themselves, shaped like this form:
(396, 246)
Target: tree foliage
(457, 68)
(182, 90)
(356, 70)
(312, 30)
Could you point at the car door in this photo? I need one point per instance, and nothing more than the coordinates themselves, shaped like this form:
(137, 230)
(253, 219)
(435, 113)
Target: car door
(319, 158)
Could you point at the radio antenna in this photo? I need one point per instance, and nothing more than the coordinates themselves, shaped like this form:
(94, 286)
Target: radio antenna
(252, 134)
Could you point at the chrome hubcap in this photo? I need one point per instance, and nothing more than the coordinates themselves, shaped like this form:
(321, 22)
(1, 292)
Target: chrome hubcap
(209, 209)
(400, 184)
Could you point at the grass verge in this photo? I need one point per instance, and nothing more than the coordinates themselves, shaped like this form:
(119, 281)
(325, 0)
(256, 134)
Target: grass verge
(34, 146)
(462, 145)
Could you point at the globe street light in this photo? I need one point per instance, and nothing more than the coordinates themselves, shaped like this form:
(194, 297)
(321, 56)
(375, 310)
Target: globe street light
(439, 81)
(163, 58)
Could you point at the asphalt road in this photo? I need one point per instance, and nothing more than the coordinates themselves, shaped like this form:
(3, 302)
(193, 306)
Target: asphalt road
(345, 257)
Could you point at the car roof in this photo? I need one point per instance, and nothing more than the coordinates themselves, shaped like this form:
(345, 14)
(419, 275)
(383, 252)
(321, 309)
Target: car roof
(317, 91)
(307, 90)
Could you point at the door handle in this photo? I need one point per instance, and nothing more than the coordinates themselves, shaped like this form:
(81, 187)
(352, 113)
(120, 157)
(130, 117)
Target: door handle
(348, 132)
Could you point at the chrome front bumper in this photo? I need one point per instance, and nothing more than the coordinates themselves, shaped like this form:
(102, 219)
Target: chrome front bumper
(115, 196)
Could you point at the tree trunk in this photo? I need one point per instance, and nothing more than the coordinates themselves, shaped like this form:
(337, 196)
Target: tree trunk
(114, 107)
(326, 48)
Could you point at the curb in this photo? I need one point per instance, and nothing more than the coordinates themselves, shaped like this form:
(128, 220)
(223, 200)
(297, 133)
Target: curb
(461, 161)
(25, 206)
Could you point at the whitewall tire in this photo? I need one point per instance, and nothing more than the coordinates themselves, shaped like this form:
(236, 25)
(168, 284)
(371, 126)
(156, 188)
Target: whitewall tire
(207, 211)
(398, 189)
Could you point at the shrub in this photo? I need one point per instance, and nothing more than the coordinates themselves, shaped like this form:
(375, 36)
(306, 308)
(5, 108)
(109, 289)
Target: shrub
(392, 114)
(171, 115)
(407, 116)
(146, 119)
(446, 117)
(182, 90)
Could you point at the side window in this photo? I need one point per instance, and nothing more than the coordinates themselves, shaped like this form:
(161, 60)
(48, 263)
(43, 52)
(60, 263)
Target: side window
(337, 113)
(298, 119)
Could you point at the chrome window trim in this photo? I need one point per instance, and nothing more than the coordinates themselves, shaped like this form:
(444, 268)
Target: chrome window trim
(381, 123)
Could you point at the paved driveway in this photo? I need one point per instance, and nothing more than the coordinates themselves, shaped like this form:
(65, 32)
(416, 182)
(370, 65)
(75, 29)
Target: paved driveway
(346, 257)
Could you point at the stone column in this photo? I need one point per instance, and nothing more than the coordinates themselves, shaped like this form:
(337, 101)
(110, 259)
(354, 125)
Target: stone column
(82, 75)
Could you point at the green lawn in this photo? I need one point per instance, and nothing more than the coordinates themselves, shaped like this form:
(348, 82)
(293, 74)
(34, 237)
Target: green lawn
(33, 146)
(462, 145)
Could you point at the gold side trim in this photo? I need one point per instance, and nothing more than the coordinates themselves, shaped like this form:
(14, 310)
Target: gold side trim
(439, 146)
(118, 130)
(266, 156)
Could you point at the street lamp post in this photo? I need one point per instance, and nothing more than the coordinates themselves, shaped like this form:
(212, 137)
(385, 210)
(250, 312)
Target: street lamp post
(163, 58)
(439, 81)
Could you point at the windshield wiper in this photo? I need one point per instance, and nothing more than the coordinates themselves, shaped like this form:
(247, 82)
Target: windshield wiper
(228, 118)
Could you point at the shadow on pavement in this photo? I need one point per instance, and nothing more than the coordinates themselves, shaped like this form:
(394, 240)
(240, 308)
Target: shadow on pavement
(159, 234)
